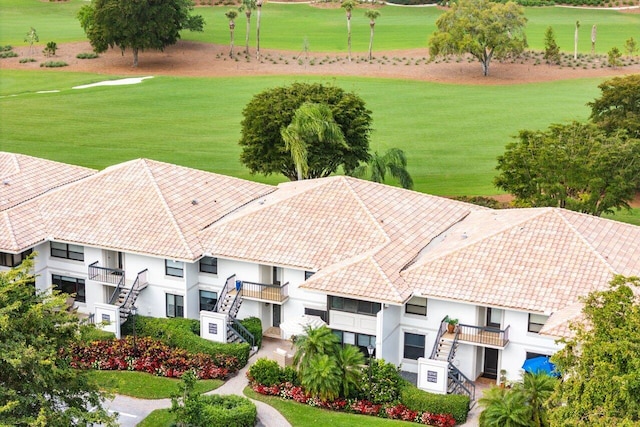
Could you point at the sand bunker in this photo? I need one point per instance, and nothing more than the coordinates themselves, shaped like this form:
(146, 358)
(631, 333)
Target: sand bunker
(128, 81)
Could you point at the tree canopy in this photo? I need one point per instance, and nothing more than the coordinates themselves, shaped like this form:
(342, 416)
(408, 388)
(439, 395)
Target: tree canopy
(482, 28)
(600, 365)
(137, 25)
(618, 107)
(574, 166)
(393, 161)
(264, 150)
(37, 387)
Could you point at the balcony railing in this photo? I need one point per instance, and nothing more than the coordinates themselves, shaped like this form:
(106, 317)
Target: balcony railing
(482, 335)
(265, 292)
(114, 276)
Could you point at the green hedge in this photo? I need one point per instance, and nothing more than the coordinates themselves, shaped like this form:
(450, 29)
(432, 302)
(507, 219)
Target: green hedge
(254, 325)
(229, 411)
(185, 334)
(419, 400)
(91, 333)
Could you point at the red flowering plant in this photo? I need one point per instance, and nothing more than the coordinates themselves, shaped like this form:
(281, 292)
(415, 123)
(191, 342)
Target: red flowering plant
(148, 355)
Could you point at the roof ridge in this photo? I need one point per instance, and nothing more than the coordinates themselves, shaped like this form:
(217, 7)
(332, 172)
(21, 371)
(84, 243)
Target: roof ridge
(557, 212)
(391, 285)
(155, 185)
(365, 208)
(7, 221)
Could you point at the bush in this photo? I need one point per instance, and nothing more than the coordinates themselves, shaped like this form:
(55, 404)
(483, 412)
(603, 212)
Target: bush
(381, 382)
(419, 400)
(290, 375)
(54, 64)
(51, 49)
(265, 372)
(8, 54)
(87, 55)
(6, 48)
(25, 60)
(90, 334)
(229, 411)
(254, 325)
(185, 334)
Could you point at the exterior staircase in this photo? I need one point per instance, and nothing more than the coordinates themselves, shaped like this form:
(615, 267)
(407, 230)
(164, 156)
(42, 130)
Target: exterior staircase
(125, 298)
(229, 303)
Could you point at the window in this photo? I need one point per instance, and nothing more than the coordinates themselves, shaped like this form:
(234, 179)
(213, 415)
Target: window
(320, 313)
(277, 276)
(308, 274)
(175, 305)
(174, 268)
(64, 250)
(413, 346)
(362, 341)
(69, 285)
(354, 306)
(208, 300)
(13, 260)
(416, 305)
(209, 265)
(536, 322)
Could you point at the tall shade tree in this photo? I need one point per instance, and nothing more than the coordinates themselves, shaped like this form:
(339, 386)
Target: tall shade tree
(348, 6)
(312, 125)
(574, 166)
(482, 28)
(263, 148)
(137, 25)
(314, 342)
(259, 7)
(37, 387)
(372, 14)
(231, 16)
(600, 364)
(248, 6)
(504, 408)
(393, 161)
(618, 107)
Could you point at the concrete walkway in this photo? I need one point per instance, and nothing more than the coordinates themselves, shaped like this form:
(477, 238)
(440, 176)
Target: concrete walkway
(132, 411)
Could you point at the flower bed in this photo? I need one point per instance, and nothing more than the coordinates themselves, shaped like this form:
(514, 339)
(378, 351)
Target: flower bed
(357, 406)
(149, 356)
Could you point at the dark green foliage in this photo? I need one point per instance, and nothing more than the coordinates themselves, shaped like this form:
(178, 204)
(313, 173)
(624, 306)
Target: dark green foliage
(618, 108)
(254, 325)
(412, 2)
(50, 49)
(137, 25)
(613, 57)
(87, 55)
(6, 48)
(290, 375)
(266, 372)
(8, 54)
(54, 64)
(487, 202)
(229, 411)
(551, 48)
(25, 60)
(185, 334)
(418, 400)
(94, 334)
(263, 149)
(380, 383)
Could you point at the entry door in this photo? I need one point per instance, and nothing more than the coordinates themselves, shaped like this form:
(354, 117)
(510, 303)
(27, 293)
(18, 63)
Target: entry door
(277, 315)
(113, 259)
(490, 363)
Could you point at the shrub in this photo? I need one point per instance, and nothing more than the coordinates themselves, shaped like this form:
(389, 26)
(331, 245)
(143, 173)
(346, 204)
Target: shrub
(265, 372)
(8, 54)
(87, 55)
(54, 64)
(25, 60)
(290, 375)
(229, 411)
(6, 48)
(381, 383)
(185, 334)
(51, 49)
(254, 325)
(90, 334)
(419, 400)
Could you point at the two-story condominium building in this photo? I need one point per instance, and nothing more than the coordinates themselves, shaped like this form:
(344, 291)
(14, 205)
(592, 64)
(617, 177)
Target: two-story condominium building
(382, 266)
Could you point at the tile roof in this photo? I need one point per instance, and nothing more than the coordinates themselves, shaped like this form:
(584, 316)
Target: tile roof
(139, 206)
(24, 177)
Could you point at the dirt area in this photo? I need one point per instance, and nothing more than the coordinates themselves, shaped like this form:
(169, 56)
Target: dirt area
(210, 60)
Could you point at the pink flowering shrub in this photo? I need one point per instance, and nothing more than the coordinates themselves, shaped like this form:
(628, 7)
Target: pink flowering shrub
(149, 356)
(396, 412)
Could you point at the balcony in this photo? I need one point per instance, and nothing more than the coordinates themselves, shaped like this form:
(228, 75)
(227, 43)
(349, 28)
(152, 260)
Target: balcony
(483, 336)
(265, 292)
(112, 276)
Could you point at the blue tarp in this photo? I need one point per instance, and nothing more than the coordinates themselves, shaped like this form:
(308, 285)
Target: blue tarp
(540, 364)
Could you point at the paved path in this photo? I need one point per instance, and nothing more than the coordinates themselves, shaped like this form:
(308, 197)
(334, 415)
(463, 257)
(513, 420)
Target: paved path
(132, 411)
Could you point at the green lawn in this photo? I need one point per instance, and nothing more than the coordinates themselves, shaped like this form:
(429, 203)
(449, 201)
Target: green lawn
(158, 418)
(145, 386)
(287, 26)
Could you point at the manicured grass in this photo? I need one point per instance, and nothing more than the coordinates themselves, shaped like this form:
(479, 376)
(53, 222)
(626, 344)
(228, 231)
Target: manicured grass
(451, 134)
(145, 386)
(631, 217)
(287, 26)
(158, 418)
(300, 415)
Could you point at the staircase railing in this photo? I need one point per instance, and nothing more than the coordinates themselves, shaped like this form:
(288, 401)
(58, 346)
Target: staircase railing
(441, 331)
(454, 346)
(104, 274)
(137, 286)
(461, 383)
(230, 283)
(235, 304)
(116, 292)
(242, 332)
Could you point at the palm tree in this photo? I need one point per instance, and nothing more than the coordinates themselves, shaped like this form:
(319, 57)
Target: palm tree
(372, 14)
(231, 15)
(315, 341)
(349, 360)
(259, 6)
(312, 123)
(504, 408)
(247, 6)
(393, 161)
(322, 377)
(537, 389)
(348, 6)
